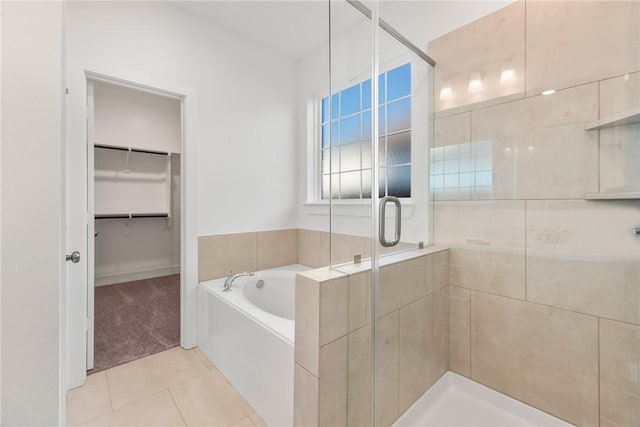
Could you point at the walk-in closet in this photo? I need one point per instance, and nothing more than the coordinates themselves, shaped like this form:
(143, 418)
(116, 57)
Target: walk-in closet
(137, 138)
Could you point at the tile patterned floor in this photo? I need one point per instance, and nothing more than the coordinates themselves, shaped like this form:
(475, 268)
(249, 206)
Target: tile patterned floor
(176, 387)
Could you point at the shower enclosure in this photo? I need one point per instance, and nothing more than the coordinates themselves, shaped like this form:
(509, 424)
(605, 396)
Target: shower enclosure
(376, 132)
(484, 214)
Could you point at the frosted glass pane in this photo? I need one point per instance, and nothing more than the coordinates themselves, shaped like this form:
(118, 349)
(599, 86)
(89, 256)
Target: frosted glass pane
(350, 185)
(366, 184)
(399, 115)
(366, 125)
(366, 154)
(399, 181)
(399, 148)
(325, 186)
(382, 175)
(382, 157)
(350, 100)
(325, 136)
(326, 158)
(350, 130)
(350, 157)
(399, 82)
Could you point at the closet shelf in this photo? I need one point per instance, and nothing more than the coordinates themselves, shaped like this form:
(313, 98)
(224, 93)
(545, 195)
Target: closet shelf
(135, 150)
(625, 118)
(622, 195)
(131, 215)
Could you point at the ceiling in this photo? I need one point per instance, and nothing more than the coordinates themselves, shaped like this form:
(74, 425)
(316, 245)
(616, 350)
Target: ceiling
(294, 28)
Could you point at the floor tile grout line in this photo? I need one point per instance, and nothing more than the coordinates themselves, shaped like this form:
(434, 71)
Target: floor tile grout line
(184, 421)
(109, 391)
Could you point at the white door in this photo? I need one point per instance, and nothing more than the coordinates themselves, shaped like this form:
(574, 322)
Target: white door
(79, 222)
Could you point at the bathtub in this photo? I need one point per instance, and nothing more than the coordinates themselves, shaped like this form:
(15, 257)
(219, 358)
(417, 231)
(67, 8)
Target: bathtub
(248, 334)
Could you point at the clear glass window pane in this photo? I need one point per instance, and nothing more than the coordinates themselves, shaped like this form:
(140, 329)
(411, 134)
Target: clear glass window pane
(334, 137)
(366, 94)
(350, 157)
(335, 186)
(350, 130)
(382, 152)
(350, 185)
(382, 121)
(382, 89)
(325, 186)
(399, 115)
(366, 125)
(399, 82)
(399, 148)
(350, 100)
(325, 109)
(335, 106)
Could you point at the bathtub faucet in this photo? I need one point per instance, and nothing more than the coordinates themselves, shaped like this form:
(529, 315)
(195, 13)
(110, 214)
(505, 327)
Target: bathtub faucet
(229, 281)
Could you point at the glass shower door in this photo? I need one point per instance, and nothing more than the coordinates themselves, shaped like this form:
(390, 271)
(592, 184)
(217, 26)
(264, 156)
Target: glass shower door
(375, 176)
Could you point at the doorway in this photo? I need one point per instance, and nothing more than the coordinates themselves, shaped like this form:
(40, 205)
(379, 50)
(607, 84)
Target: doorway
(134, 239)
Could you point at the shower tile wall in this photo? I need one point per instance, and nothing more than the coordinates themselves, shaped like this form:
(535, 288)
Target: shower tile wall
(544, 298)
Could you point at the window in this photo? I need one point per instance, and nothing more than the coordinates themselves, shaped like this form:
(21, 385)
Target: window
(346, 138)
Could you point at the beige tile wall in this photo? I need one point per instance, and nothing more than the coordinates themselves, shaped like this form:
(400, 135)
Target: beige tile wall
(544, 302)
(333, 340)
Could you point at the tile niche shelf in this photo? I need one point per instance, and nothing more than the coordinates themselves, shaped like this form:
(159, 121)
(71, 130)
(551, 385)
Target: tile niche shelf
(618, 195)
(624, 118)
(628, 117)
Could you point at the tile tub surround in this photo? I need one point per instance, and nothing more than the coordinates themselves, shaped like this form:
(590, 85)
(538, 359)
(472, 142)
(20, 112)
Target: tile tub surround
(333, 339)
(221, 254)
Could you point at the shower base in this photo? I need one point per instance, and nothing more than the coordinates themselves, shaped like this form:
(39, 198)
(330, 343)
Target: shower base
(457, 401)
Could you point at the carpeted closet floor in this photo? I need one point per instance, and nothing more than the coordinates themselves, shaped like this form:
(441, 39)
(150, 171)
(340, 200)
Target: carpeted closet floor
(135, 319)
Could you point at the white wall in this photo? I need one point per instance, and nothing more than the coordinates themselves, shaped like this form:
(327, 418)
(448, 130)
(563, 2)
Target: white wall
(31, 213)
(134, 118)
(246, 125)
(351, 59)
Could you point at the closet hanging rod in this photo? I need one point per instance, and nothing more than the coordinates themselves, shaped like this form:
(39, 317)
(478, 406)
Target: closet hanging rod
(135, 150)
(132, 216)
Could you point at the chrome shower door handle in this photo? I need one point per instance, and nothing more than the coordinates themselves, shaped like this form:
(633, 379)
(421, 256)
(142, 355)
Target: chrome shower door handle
(382, 220)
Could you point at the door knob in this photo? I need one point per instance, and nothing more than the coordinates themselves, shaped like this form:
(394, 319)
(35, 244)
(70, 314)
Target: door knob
(74, 257)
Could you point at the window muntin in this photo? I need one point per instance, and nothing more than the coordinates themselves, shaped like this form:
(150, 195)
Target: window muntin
(346, 138)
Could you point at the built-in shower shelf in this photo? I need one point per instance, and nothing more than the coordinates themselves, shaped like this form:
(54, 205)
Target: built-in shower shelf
(625, 118)
(623, 195)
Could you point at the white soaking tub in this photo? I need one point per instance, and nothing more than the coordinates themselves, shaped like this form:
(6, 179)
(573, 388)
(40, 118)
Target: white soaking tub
(248, 334)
